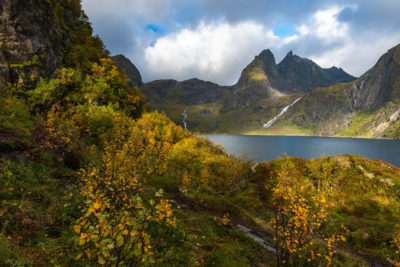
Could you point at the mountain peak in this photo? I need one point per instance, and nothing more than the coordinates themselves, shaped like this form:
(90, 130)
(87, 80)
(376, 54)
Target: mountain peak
(305, 74)
(124, 64)
(266, 52)
(267, 57)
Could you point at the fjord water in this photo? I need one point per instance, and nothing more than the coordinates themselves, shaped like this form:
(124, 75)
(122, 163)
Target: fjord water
(264, 148)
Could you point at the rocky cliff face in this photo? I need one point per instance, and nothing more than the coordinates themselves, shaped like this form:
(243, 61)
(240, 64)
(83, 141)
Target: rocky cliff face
(368, 106)
(39, 36)
(304, 74)
(130, 70)
(30, 40)
(379, 84)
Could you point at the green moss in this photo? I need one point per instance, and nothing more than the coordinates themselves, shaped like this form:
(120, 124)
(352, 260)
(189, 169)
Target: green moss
(25, 64)
(257, 74)
(393, 131)
(360, 125)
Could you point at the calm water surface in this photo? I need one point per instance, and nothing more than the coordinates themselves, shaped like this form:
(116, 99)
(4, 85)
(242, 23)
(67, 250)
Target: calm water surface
(263, 148)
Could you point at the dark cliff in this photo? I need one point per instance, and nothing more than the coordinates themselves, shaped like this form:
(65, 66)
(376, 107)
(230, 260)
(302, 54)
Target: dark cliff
(30, 39)
(304, 74)
(254, 82)
(379, 84)
(129, 68)
(39, 36)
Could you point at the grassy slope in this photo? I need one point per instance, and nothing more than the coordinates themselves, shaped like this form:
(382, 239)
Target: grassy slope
(365, 199)
(243, 121)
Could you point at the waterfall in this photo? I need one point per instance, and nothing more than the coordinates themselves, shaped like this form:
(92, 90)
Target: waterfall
(269, 124)
(184, 118)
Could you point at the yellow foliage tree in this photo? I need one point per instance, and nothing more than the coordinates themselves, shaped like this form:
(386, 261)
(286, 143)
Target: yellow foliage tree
(199, 162)
(113, 229)
(300, 211)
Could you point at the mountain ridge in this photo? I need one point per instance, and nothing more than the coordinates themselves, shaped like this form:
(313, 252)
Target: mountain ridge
(367, 107)
(258, 80)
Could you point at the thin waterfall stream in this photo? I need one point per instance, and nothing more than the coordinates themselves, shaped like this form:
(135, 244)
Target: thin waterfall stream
(271, 122)
(184, 118)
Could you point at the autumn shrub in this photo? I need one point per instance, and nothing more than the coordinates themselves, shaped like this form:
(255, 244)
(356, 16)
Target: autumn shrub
(63, 135)
(116, 221)
(157, 135)
(199, 162)
(300, 211)
(99, 123)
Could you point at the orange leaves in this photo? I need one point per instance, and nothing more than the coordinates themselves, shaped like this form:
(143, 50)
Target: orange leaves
(77, 229)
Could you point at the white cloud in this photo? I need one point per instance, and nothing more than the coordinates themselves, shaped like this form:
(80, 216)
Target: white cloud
(219, 51)
(149, 9)
(339, 46)
(215, 51)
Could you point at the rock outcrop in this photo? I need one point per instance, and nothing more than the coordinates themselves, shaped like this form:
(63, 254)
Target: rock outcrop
(129, 69)
(30, 41)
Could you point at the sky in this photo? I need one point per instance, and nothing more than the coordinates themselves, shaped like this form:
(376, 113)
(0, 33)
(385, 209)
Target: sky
(214, 40)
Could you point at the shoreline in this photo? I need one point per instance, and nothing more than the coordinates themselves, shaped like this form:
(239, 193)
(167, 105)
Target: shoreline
(304, 135)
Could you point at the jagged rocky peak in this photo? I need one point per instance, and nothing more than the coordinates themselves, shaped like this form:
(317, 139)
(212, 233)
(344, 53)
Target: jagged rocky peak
(304, 74)
(124, 64)
(380, 84)
(267, 57)
(291, 58)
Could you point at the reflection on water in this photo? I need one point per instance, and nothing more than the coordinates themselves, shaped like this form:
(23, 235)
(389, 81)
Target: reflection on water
(263, 148)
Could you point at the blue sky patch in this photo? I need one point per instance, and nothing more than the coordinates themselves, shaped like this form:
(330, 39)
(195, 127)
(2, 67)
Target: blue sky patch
(154, 28)
(285, 30)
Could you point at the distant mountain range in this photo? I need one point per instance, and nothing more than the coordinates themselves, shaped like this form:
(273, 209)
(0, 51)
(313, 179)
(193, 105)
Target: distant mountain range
(333, 102)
